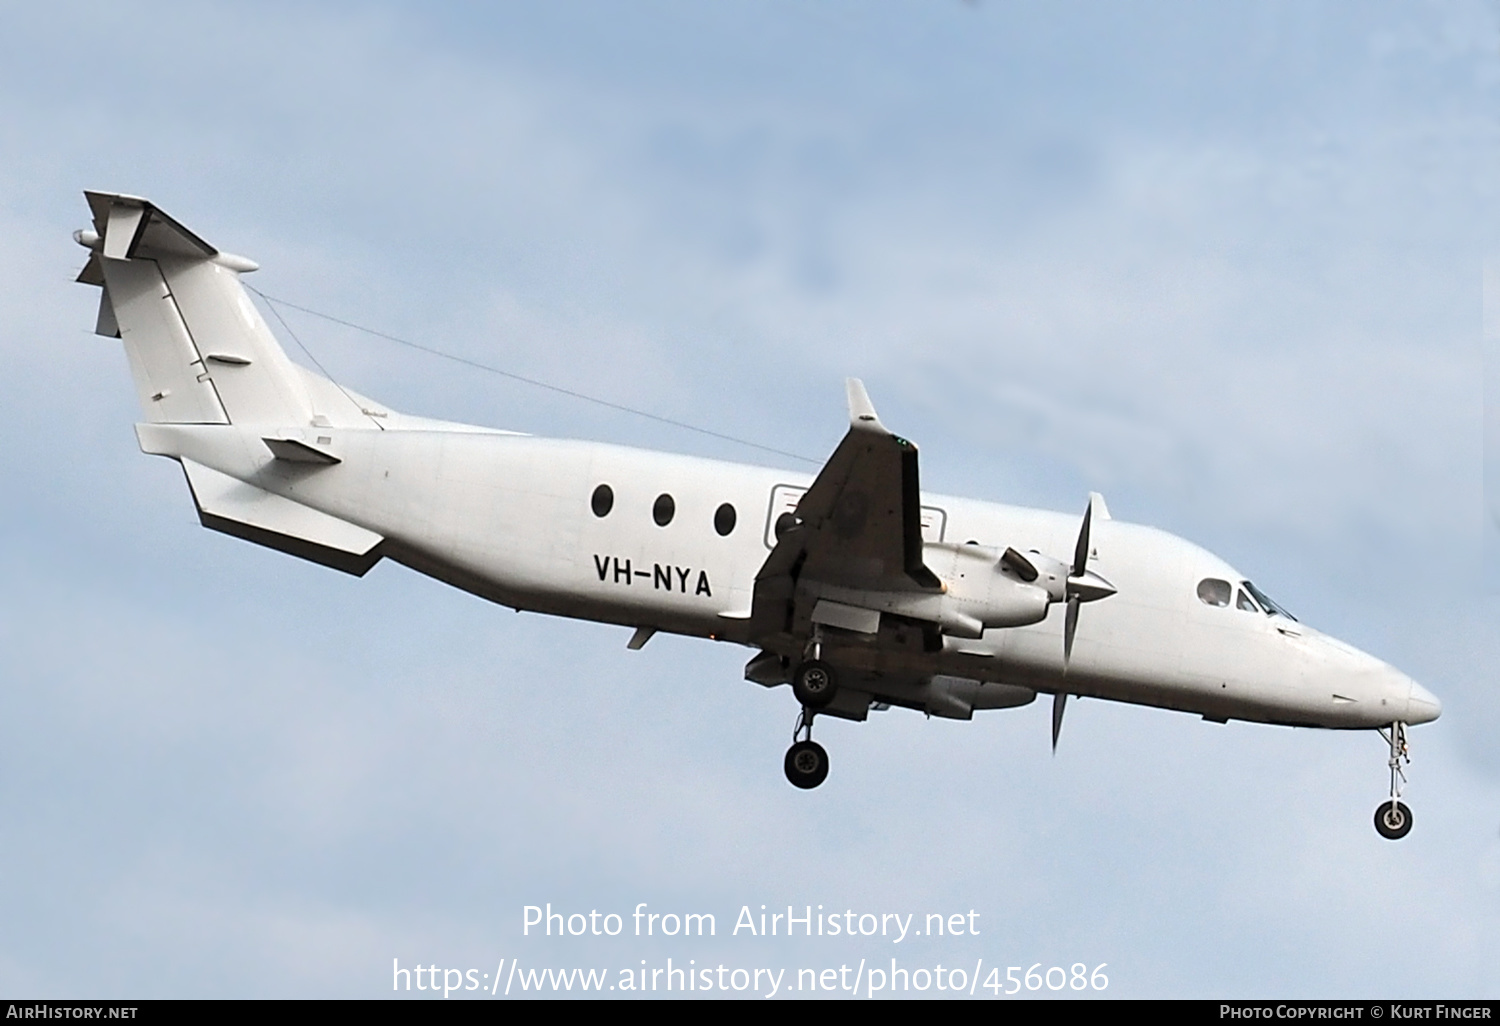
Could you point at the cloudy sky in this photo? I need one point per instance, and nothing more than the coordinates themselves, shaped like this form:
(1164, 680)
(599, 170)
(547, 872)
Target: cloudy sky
(1220, 262)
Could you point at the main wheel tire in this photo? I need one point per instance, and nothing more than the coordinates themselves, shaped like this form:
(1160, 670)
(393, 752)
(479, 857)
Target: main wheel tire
(814, 684)
(1393, 823)
(806, 764)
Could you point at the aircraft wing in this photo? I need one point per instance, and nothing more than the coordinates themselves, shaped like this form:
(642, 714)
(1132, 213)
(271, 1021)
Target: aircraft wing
(858, 527)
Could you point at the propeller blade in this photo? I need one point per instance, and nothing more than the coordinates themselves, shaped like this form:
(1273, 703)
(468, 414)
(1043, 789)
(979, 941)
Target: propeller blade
(1081, 550)
(1083, 584)
(1059, 703)
(1070, 625)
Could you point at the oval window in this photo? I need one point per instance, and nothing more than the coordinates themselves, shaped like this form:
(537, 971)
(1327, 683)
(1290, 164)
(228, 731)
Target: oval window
(663, 510)
(724, 518)
(785, 523)
(603, 500)
(1213, 592)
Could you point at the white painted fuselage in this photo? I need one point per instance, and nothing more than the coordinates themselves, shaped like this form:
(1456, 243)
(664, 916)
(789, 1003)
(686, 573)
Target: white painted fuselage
(509, 518)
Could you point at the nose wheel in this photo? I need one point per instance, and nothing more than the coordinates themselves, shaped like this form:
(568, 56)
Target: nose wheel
(806, 762)
(1393, 820)
(1392, 817)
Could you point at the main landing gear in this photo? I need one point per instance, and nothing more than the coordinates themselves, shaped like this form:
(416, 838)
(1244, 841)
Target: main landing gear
(806, 761)
(1392, 817)
(813, 684)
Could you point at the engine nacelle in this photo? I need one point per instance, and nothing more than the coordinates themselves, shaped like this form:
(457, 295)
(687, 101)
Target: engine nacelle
(1042, 570)
(983, 591)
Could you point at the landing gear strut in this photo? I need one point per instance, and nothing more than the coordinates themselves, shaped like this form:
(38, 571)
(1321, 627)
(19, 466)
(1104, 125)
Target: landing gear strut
(806, 762)
(1392, 817)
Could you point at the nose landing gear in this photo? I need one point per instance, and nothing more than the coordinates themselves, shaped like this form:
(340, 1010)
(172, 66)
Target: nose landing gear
(806, 761)
(1392, 817)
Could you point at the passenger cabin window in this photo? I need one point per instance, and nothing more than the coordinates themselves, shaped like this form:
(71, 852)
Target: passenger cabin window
(1213, 592)
(1246, 603)
(603, 500)
(664, 510)
(724, 518)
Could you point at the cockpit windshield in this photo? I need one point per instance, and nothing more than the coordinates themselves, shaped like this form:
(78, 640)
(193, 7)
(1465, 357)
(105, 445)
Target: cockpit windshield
(1265, 600)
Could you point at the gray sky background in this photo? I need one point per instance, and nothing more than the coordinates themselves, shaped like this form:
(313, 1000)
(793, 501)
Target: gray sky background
(1220, 262)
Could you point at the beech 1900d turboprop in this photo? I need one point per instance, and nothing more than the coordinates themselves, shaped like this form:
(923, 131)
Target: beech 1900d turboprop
(855, 588)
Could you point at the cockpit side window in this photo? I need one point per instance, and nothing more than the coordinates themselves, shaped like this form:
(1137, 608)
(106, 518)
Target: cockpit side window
(1213, 592)
(1271, 608)
(1246, 603)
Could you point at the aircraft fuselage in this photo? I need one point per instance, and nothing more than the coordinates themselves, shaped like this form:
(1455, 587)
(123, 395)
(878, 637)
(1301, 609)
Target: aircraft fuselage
(511, 518)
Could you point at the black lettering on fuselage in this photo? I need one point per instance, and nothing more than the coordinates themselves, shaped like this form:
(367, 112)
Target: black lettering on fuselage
(663, 575)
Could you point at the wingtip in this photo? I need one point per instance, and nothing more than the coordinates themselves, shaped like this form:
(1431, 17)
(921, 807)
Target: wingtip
(861, 410)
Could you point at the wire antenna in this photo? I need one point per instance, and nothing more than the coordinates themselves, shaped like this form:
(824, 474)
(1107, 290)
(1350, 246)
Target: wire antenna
(282, 321)
(273, 302)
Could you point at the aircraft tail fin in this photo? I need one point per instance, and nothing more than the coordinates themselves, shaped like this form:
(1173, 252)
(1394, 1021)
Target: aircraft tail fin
(199, 351)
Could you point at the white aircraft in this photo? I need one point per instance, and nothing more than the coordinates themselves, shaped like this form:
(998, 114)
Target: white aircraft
(857, 590)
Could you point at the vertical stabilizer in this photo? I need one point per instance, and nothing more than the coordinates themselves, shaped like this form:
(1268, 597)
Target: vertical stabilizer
(199, 351)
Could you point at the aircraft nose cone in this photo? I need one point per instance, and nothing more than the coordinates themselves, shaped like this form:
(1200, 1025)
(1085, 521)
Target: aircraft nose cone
(1422, 706)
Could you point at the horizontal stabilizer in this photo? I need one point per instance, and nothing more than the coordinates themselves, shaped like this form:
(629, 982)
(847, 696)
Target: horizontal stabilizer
(132, 227)
(244, 511)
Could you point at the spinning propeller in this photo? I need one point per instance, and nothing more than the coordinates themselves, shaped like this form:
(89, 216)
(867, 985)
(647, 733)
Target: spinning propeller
(1083, 584)
(1080, 585)
(1072, 584)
